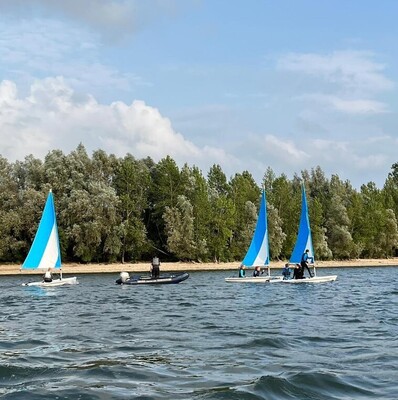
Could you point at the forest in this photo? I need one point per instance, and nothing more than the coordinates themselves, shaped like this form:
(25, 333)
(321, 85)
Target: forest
(112, 209)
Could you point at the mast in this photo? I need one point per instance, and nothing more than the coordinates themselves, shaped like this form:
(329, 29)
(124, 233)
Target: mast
(258, 252)
(304, 237)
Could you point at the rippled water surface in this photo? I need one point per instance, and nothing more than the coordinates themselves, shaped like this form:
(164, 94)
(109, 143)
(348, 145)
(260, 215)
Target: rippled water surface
(202, 339)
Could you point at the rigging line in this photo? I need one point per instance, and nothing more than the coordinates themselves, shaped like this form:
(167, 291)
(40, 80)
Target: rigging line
(167, 254)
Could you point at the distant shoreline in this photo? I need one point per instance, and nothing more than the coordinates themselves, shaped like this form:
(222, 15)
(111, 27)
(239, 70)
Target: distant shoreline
(74, 268)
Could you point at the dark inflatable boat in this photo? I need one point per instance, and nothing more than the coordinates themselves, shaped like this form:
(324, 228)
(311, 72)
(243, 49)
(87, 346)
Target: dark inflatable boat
(147, 280)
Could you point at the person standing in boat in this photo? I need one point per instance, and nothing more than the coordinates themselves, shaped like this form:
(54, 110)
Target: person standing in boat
(155, 268)
(304, 262)
(48, 276)
(242, 272)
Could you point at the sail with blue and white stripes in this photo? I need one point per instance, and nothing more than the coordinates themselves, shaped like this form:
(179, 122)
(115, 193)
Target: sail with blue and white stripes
(258, 253)
(304, 238)
(45, 251)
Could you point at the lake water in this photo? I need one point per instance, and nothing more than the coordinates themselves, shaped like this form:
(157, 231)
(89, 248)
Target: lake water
(202, 339)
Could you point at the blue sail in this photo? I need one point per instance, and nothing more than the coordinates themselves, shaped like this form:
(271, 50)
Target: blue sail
(304, 238)
(45, 251)
(258, 253)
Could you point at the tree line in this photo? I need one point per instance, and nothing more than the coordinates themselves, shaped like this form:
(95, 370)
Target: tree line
(123, 209)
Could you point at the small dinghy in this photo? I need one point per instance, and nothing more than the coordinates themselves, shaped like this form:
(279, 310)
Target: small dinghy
(54, 282)
(305, 247)
(254, 279)
(45, 252)
(313, 279)
(125, 279)
(257, 255)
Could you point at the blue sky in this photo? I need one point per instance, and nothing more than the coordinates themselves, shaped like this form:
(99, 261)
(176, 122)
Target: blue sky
(244, 84)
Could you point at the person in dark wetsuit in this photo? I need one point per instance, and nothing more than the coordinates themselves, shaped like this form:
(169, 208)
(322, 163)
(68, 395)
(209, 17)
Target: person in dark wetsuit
(298, 272)
(257, 271)
(48, 276)
(304, 262)
(155, 268)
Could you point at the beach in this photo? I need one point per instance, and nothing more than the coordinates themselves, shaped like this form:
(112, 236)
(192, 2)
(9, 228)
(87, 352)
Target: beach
(75, 268)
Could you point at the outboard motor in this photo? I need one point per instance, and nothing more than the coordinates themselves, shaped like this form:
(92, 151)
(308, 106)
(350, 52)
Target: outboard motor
(124, 276)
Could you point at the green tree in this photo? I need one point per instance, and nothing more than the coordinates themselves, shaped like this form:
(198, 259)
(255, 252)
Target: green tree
(92, 223)
(337, 224)
(390, 237)
(287, 201)
(245, 195)
(217, 181)
(12, 238)
(390, 190)
(197, 192)
(222, 219)
(179, 222)
(132, 181)
(221, 224)
(372, 220)
(29, 173)
(164, 191)
(57, 173)
(276, 235)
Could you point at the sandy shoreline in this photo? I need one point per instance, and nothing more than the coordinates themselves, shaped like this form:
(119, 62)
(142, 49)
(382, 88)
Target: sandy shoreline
(14, 269)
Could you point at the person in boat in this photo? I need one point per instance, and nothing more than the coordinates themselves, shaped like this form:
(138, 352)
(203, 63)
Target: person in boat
(242, 272)
(286, 272)
(48, 276)
(305, 259)
(257, 271)
(155, 268)
(298, 272)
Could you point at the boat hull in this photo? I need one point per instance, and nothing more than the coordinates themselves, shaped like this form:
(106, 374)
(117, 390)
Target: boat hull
(54, 282)
(254, 279)
(314, 279)
(162, 280)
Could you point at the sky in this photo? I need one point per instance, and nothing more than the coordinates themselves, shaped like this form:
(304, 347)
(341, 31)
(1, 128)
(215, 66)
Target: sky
(287, 84)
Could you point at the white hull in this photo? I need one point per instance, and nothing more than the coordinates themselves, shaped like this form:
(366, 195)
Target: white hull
(54, 282)
(315, 279)
(255, 279)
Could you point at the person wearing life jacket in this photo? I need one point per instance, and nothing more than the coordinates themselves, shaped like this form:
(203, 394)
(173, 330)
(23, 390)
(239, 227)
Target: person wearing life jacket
(257, 271)
(304, 262)
(286, 272)
(48, 276)
(242, 272)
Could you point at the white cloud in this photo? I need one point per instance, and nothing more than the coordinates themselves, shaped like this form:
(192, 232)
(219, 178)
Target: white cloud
(359, 160)
(53, 116)
(113, 19)
(329, 147)
(377, 161)
(285, 149)
(40, 47)
(346, 105)
(353, 70)
(358, 106)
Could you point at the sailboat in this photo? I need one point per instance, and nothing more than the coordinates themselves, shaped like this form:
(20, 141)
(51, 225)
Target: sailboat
(304, 243)
(45, 251)
(258, 253)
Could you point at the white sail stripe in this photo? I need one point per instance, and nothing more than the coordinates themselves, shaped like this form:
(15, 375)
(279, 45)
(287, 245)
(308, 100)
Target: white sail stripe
(262, 254)
(51, 252)
(309, 247)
